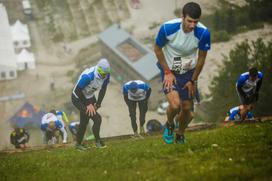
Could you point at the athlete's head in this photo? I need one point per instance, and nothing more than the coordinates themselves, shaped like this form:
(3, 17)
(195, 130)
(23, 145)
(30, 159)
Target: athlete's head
(52, 125)
(19, 131)
(191, 13)
(53, 111)
(253, 73)
(133, 86)
(103, 67)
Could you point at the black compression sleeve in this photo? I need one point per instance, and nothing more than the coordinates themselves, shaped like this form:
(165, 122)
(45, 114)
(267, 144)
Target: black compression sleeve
(79, 94)
(259, 84)
(101, 95)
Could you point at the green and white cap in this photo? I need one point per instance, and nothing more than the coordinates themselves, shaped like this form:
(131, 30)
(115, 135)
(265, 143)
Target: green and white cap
(103, 66)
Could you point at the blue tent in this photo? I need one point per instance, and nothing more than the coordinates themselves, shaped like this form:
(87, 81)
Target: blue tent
(28, 116)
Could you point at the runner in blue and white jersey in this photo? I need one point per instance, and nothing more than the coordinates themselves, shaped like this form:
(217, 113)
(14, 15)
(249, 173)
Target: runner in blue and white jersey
(181, 48)
(73, 127)
(248, 86)
(137, 91)
(83, 97)
(235, 115)
(61, 115)
(49, 125)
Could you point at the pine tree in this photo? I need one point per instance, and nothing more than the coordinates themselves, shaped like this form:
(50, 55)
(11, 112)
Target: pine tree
(223, 92)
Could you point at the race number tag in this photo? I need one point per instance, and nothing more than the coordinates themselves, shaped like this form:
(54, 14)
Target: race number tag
(177, 64)
(182, 65)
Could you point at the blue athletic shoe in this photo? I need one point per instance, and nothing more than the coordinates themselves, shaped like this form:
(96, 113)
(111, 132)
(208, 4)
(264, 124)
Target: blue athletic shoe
(168, 134)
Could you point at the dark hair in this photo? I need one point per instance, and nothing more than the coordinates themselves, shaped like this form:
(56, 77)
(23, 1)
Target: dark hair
(53, 111)
(192, 9)
(253, 72)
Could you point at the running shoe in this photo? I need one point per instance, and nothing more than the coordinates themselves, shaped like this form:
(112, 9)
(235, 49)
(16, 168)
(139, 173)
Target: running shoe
(180, 139)
(100, 144)
(80, 147)
(168, 134)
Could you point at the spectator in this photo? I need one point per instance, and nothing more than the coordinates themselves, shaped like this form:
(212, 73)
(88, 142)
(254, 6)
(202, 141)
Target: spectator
(19, 137)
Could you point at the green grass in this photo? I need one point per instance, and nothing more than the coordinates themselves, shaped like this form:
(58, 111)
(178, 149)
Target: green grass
(242, 152)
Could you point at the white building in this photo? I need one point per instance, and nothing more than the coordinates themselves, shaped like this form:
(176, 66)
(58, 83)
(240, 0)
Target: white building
(7, 54)
(26, 7)
(20, 35)
(25, 60)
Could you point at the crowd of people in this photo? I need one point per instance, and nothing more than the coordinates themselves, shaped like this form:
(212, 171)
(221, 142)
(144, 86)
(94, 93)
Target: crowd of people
(181, 48)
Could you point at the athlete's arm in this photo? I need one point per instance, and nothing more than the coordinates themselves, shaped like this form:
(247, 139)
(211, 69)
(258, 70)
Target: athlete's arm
(259, 84)
(62, 129)
(148, 94)
(169, 78)
(101, 96)
(200, 63)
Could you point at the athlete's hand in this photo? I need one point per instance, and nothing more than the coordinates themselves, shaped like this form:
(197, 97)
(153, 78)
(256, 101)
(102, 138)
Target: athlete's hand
(191, 89)
(90, 111)
(169, 79)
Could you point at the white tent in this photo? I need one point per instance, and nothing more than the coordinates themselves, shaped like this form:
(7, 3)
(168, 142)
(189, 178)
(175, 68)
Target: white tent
(27, 7)
(25, 60)
(7, 53)
(20, 35)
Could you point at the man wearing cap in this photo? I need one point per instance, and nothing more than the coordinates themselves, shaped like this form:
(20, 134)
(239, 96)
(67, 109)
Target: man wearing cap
(134, 92)
(50, 125)
(83, 98)
(181, 47)
(248, 86)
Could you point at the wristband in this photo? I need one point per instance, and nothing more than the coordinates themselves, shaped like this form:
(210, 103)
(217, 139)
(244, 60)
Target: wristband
(166, 72)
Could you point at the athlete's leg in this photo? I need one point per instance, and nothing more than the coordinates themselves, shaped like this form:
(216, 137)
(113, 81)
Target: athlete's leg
(143, 107)
(84, 120)
(174, 106)
(132, 114)
(96, 126)
(185, 116)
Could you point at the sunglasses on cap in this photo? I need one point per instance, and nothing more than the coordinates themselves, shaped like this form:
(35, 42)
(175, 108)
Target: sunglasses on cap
(102, 72)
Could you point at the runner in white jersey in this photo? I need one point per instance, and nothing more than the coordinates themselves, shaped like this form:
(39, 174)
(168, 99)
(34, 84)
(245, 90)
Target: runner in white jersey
(83, 97)
(137, 92)
(181, 48)
(73, 127)
(49, 125)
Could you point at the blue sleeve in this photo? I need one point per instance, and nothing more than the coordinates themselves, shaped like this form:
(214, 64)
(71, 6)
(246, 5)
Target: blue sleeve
(84, 81)
(260, 75)
(70, 126)
(44, 126)
(232, 115)
(147, 86)
(59, 113)
(249, 115)
(125, 89)
(58, 124)
(205, 41)
(241, 80)
(144, 87)
(161, 38)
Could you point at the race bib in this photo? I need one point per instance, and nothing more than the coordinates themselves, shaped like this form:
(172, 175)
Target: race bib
(182, 65)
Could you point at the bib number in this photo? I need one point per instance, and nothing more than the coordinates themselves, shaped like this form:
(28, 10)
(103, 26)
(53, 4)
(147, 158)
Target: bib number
(182, 65)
